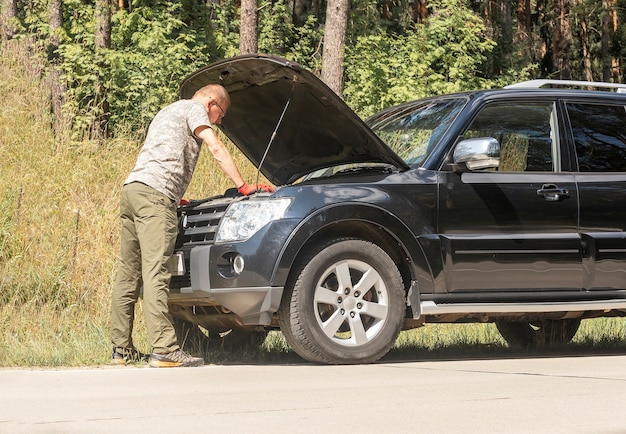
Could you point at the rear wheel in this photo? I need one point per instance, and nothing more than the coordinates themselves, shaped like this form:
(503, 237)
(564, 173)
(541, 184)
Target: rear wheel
(345, 305)
(538, 334)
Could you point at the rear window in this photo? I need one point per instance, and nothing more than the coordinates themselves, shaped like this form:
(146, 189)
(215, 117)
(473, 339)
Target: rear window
(599, 135)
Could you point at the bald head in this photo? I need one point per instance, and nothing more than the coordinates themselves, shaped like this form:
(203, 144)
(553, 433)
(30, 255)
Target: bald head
(212, 92)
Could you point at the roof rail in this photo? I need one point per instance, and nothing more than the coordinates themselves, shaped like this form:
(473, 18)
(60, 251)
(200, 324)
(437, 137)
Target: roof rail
(536, 84)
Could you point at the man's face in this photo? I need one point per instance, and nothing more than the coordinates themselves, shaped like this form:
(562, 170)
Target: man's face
(216, 110)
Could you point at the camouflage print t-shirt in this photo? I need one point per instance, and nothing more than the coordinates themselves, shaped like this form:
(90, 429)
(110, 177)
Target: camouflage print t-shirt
(170, 152)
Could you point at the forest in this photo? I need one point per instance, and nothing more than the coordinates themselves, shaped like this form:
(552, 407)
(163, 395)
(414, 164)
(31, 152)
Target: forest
(111, 64)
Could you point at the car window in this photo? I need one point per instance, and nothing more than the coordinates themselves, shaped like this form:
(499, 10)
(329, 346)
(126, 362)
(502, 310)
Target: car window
(599, 135)
(527, 135)
(413, 131)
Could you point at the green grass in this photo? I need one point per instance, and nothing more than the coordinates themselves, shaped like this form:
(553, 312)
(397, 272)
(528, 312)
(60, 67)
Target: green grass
(59, 239)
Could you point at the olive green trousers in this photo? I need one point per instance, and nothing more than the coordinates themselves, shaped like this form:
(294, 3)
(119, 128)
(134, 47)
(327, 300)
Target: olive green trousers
(148, 236)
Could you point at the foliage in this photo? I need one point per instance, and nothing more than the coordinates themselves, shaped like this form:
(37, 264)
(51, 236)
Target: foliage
(153, 48)
(392, 54)
(225, 20)
(365, 19)
(443, 55)
(278, 35)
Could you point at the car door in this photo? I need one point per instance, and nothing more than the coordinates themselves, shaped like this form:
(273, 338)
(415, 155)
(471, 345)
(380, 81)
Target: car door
(599, 135)
(512, 230)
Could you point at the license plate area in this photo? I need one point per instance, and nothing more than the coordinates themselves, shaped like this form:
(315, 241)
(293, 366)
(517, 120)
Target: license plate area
(176, 264)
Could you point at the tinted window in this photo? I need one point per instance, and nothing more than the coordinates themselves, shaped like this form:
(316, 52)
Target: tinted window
(526, 134)
(599, 135)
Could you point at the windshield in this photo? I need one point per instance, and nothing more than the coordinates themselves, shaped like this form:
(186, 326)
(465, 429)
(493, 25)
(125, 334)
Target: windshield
(412, 130)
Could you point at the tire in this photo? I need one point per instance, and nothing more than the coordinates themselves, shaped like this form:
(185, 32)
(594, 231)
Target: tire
(346, 304)
(195, 339)
(537, 335)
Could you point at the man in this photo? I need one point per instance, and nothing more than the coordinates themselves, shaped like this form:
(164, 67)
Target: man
(148, 204)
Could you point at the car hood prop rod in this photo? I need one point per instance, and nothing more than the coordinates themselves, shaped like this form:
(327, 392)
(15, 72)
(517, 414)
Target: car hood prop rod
(273, 136)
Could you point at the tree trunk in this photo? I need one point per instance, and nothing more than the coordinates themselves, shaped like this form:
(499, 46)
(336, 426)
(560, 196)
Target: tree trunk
(616, 73)
(419, 11)
(524, 29)
(507, 33)
(334, 44)
(103, 24)
(56, 23)
(584, 43)
(317, 7)
(248, 33)
(300, 10)
(57, 87)
(9, 15)
(562, 40)
(100, 126)
(545, 34)
(606, 37)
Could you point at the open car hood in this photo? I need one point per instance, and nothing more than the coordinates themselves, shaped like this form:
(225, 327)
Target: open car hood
(314, 128)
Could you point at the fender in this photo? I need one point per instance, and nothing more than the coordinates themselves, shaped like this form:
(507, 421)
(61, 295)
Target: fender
(354, 211)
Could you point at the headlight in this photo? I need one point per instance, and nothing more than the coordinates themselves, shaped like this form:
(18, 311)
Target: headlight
(243, 219)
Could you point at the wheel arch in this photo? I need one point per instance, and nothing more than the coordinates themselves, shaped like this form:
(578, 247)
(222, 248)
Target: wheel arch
(362, 221)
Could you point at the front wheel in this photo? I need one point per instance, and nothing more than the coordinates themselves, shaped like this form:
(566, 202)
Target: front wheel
(346, 304)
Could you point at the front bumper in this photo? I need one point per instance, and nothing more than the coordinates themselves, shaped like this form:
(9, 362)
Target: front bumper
(253, 305)
(208, 275)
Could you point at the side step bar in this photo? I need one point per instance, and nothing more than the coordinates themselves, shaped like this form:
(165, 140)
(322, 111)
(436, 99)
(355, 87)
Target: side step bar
(432, 308)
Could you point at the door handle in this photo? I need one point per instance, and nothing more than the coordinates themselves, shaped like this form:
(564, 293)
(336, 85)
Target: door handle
(552, 193)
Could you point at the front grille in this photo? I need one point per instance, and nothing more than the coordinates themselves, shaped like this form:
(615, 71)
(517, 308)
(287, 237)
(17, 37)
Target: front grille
(197, 224)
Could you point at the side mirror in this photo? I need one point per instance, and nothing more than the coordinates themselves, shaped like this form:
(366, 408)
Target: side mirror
(477, 154)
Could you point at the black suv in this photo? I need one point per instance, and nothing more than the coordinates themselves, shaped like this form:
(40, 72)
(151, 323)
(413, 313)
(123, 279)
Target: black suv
(504, 205)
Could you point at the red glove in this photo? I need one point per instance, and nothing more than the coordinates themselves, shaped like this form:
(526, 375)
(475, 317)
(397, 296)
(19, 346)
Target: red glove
(265, 187)
(248, 189)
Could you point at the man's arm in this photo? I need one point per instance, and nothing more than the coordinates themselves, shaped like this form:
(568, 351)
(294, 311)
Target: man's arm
(221, 154)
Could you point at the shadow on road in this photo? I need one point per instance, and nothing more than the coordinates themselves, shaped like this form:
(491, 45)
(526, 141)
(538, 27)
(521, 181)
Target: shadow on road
(492, 352)
(457, 352)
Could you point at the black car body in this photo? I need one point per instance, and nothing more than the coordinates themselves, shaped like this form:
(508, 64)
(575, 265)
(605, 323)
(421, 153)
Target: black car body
(504, 205)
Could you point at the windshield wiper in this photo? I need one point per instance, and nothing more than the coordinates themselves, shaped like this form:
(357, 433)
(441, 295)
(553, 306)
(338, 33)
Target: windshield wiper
(358, 169)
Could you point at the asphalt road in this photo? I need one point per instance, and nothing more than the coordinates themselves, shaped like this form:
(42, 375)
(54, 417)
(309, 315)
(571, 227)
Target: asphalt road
(574, 394)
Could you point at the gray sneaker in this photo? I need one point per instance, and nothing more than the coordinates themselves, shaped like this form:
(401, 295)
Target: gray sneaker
(174, 359)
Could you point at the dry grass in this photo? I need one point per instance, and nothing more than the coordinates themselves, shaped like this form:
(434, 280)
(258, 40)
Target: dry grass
(59, 227)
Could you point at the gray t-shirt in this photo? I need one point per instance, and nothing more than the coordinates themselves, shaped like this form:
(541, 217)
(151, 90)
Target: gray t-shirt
(170, 152)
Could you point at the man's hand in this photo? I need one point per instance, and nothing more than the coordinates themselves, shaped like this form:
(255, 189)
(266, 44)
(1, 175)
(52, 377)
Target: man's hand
(248, 189)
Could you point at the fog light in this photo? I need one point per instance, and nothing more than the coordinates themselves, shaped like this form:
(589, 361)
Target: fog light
(230, 265)
(238, 264)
